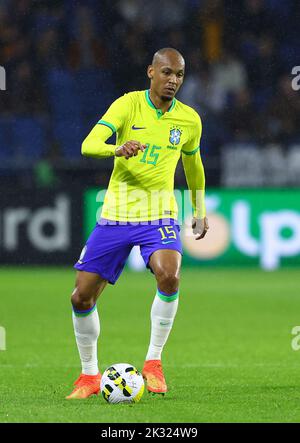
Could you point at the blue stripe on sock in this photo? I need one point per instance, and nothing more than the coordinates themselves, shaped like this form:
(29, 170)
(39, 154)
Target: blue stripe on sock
(85, 312)
(167, 295)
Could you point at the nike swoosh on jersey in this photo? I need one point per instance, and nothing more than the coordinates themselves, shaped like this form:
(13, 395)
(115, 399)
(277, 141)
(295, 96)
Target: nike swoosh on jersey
(138, 127)
(166, 242)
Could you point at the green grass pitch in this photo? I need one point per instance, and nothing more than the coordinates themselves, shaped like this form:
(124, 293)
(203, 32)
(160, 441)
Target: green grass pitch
(229, 356)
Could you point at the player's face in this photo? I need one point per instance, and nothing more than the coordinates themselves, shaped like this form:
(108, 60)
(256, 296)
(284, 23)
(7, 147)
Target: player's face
(167, 76)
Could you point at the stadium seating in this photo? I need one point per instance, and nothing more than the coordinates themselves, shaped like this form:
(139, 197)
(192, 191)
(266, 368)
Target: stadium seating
(77, 100)
(94, 91)
(6, 148)
(29, 138)
(62, 90)
(69, 133)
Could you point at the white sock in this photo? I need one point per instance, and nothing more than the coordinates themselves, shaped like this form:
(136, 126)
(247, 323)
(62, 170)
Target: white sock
(162, 317)
(87, 330)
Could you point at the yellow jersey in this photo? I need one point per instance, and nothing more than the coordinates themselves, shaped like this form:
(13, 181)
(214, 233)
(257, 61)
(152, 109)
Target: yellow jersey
(142, 187)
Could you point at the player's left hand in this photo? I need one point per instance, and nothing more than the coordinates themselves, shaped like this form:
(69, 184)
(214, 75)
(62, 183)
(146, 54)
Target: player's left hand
(200, 227)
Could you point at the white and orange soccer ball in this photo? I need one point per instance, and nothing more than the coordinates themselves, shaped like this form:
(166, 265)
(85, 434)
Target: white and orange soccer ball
(122, 383)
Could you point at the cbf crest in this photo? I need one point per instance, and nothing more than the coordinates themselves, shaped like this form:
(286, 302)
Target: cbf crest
(175, 134)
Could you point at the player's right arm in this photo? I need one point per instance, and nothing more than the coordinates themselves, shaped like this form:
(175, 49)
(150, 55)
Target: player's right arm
(112, 121)
(195, 177)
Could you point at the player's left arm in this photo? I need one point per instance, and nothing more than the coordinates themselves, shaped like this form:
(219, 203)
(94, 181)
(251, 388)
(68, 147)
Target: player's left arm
(195, 177)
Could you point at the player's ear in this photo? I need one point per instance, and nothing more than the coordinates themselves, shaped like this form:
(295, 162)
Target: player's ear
(150, 71)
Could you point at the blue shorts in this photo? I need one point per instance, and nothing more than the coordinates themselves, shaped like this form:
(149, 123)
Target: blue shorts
(109, 246)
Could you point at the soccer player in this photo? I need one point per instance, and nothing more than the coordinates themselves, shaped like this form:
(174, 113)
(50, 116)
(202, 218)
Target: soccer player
(153, 130)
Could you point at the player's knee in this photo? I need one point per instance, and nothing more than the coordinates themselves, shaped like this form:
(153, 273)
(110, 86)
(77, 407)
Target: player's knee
(82, 299)
(168, 280)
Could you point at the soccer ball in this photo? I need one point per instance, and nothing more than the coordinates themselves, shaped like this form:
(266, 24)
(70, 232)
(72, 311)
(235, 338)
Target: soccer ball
(122, 383)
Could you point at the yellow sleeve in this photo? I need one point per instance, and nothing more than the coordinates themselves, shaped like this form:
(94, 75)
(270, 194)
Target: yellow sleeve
(112, 121)
(117, 114)
(94, 144)
(194, 170)
(193, 143)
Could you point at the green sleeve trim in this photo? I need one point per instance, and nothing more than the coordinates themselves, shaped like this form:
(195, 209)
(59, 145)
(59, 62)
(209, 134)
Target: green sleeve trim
(109, 125)
(190, 152)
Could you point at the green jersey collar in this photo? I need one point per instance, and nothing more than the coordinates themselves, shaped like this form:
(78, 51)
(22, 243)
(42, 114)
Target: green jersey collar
(159, 112)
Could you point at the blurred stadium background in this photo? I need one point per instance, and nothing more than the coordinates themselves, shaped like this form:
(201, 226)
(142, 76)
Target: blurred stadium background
(65, 62)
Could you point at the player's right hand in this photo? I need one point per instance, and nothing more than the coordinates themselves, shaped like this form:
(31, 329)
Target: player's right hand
(200, 227)
(129, 149)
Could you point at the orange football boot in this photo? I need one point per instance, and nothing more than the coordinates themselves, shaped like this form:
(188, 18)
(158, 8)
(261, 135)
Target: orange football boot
(154, 377)
(86, 385)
